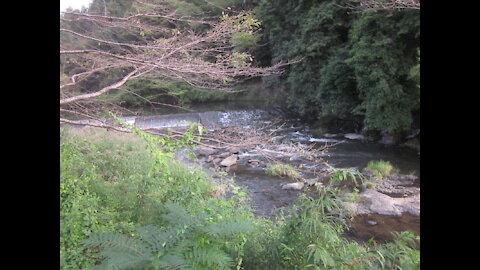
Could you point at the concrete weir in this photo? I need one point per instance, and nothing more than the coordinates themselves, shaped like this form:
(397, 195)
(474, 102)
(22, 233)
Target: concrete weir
(208, 119)
(166, 120)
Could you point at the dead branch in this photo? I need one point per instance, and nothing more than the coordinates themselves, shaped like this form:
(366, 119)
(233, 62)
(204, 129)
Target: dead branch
(102, 91)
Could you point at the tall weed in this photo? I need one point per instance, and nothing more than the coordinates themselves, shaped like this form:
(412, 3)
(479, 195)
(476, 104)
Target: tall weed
(381, 168)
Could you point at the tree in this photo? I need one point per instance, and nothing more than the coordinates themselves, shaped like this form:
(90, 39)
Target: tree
(101, 52)
(360, 69)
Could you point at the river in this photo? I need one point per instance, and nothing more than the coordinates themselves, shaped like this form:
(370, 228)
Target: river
(265, 192)
(346, 154)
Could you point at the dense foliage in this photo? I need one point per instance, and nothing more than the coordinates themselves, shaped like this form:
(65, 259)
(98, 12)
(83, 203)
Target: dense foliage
(114, 183)
(363, 67)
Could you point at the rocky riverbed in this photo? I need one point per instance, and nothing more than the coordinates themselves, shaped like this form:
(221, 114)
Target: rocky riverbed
(392, 204)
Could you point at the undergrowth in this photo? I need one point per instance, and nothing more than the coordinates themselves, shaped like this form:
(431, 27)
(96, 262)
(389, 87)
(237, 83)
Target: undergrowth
(127, 203)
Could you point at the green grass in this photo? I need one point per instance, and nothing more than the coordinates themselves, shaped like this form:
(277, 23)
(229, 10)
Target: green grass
(380, 168)
(283, 170)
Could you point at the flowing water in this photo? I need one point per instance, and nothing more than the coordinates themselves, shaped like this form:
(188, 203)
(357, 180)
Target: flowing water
(346, 154)
(265, 191)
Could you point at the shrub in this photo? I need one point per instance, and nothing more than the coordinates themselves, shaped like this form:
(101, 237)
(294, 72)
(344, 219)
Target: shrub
(309, 237)
(122, 177)
(345, 177)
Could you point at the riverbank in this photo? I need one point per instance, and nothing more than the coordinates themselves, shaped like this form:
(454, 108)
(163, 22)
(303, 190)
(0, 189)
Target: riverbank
(115, 182)
(259, 138)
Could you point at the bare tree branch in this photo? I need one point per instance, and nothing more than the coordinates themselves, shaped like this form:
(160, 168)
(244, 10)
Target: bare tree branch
(102, 91)
(97, 49)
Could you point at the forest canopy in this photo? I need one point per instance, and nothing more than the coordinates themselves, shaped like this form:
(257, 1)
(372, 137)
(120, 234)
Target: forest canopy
(360, 66)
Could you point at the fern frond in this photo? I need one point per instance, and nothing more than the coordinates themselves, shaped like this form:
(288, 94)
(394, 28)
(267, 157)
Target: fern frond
(227, 228)
(158, 240)
(208, 258)
(118, 243)
(176, 214)
(125, 261)
(171, 262)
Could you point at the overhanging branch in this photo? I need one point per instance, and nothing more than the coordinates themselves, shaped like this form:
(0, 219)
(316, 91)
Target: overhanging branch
(102, 91)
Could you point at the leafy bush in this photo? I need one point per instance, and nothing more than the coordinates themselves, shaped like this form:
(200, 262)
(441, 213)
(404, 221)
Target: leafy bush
(79, 208)
(146, 91)
(309, 237)
(345, 177)
(399, 254)
(122, 177)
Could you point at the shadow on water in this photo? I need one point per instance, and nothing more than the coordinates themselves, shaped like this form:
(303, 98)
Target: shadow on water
(380, 227)
(265, 192)
(358, 154)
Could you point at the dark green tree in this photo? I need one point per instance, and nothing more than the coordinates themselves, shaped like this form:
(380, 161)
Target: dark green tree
(360, 67)
(383, 53)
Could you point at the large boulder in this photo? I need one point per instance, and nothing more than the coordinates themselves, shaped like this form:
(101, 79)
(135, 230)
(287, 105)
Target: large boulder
(398, 185)
(378, 215)
(388, 138)
(413, 143)
(229, 161)
(206, 151)
(354, 136)
(234, 150)
(294, 186)
(374, 202)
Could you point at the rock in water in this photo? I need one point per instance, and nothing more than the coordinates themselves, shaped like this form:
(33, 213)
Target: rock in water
(229, 161)
(234, 150)
(374, 202)
(294, 186)
(354, 136)
(216, 160)
(206, 151)
(224, 154)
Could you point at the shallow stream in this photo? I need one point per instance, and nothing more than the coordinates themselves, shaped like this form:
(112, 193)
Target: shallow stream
(265, 191)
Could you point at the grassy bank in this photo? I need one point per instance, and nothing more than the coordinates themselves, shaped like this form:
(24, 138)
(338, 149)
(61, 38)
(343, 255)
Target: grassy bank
(126, 202)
